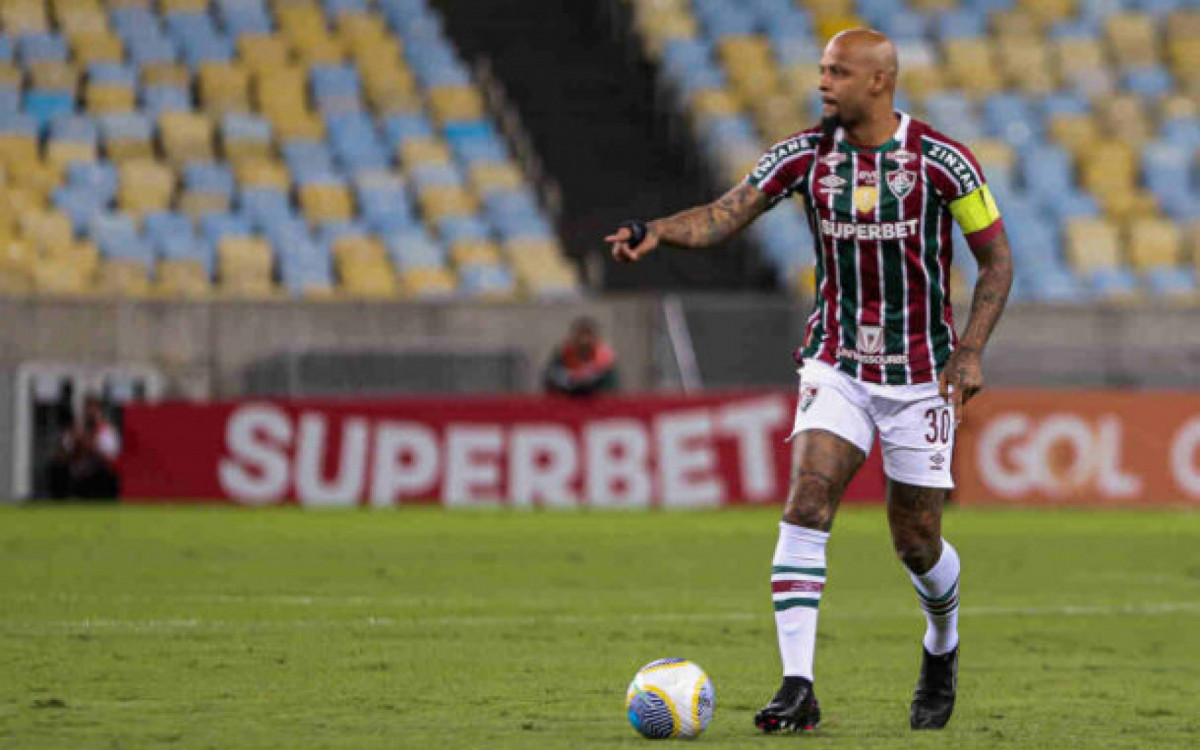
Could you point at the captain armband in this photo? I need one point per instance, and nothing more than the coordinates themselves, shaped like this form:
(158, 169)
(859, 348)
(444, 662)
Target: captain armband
(977, 215)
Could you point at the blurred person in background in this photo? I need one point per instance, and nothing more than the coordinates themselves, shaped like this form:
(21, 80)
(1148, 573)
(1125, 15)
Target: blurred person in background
(84, 462)
(583, 364)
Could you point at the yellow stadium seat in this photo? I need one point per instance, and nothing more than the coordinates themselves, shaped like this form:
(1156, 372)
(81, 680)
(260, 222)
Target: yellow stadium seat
(356, 29)
(244, 266)
(1109, 162)
(96, 46)
(474, 252)
(262, 173)
(172, 75)
(1014, 23)
(390, 88)
(224, 87)
(182, 279)
(830, 25)
(1078, 57)
(658, 28)
(123, 278)
(994, 155)
(323, 202)
(108, 98)
(1093, 245)
(280, 88)
(197, 203)
(426, 283)
(1155, 243)
(1026, 64)
(1178, 105)
(1132, 39)
(54, 76)
(261, 52)
(777, 116)
(61, 152)
(47, 230)
(490, 177)
(799, 81)
(61, 278)
(17, 261)
(20, 200)
(186, 136)
(121, 150)
(144, 186)
(37, 175)
(319, 49)
(972, 65)
(11, 77)
(1191, 248)
(1048, 11)
(299, 126)
(183, 6)
(440, 202)
(1124, 204)
(1078, 133)
(829, 7)
(16, 148)
(416, 151)
(74, 16)
(1125, 118)
(363, 267)
(455, 103)
(24, 17)
(713, 103)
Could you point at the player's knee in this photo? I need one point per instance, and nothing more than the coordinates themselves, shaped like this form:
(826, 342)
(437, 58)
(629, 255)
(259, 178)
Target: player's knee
(917, 550)
(811, 502)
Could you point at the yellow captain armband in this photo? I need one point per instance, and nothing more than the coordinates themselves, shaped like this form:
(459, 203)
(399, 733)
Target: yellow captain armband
(975, 211)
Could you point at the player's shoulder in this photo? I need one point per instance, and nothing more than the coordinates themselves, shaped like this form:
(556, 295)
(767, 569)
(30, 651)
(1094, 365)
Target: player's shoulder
(787, 153)
(946, 155)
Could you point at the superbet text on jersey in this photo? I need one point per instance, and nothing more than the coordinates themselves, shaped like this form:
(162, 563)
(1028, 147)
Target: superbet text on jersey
(881, 219)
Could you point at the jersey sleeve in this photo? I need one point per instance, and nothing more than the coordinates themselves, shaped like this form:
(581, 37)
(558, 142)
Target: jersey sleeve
(783, 169)
(959, 181)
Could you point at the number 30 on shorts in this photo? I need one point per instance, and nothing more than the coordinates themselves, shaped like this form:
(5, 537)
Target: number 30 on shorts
(941, 425)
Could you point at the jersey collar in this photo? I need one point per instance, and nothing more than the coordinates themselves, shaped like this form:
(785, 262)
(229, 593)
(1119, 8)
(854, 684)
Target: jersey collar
(901, 134)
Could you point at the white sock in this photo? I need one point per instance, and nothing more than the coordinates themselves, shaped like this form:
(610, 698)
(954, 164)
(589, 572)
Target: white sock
(938, 590)
(797, 580)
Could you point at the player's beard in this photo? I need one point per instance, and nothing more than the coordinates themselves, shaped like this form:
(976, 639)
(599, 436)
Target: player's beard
(829, 125)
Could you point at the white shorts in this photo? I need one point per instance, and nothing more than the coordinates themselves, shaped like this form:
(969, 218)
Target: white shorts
(915, 424)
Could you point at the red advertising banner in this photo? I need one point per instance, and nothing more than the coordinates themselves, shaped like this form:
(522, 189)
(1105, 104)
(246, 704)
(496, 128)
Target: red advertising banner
(1080, 448)
(678, 451)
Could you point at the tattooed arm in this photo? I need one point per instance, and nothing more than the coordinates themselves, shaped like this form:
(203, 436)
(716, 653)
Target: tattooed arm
(698, 227)
(963, 376)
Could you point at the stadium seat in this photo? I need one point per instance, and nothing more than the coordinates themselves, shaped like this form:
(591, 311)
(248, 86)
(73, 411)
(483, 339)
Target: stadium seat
(144, 186)
(245, 266)
(186, 136)
(1155, 243)
(224, 88)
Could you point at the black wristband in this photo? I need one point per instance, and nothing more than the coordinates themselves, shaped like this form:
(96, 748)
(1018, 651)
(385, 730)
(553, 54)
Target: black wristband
(637, 231)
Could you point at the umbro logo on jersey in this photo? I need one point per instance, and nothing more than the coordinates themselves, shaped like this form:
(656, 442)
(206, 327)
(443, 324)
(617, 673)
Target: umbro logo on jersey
(832, 181)
(937, 462)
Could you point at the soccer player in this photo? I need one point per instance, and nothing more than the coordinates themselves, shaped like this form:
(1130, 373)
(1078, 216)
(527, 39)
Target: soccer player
(881, 353)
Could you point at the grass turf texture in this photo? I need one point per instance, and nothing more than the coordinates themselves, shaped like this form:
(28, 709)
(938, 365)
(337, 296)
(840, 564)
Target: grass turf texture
(425, 629)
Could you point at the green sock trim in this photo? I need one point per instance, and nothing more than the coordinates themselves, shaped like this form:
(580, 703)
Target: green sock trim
(803, 571)
(783, 604)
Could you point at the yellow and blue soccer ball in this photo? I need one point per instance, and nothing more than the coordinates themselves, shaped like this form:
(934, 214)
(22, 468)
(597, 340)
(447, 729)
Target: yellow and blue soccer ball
(670, 698)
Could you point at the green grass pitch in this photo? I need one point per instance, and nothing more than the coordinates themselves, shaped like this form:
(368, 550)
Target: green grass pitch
(229, 629)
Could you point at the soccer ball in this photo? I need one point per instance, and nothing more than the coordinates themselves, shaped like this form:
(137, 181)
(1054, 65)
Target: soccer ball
(670, 698)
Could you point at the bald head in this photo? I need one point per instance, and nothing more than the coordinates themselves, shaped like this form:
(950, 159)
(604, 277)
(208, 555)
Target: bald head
(868, 48)
(858, 79)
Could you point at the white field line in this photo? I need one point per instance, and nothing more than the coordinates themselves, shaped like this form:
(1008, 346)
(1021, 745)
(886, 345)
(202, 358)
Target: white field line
(192, 623)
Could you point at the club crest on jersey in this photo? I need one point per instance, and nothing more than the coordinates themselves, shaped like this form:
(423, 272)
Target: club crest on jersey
(870, 339)
(808, 394)
(902, 182)
(866, 197)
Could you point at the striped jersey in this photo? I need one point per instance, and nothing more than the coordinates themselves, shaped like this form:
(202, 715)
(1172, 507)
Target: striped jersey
(881, 222)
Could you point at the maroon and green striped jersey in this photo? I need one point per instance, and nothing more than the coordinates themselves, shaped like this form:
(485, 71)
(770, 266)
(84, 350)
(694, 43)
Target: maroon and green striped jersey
(881, 222)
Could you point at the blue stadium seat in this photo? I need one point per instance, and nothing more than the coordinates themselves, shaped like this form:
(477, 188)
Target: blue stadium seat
(1149, 82)
(1010, 118)
(41, 47)
(1170, 282)
(452, 229)
(399, 127)
(414, 249)
(44, 106)
(216, 226)
(159, 99)
(963, 23)
(208, 178)
(1112, 282)
(486, 280)
(79, 204)
(308, 161)
(147, 50)
(96, 177)
(954, 109)
(1046, 171)
(335, 88)
(6, 49)
(116, 236)
(265, 207)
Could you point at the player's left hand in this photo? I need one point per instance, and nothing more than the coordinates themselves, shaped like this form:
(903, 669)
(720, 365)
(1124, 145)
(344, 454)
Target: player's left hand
(961, 379)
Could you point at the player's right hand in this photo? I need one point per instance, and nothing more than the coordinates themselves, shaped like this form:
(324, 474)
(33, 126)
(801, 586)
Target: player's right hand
(621, 250)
